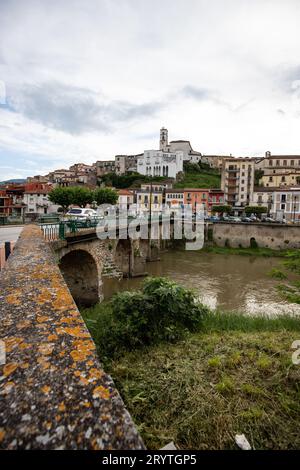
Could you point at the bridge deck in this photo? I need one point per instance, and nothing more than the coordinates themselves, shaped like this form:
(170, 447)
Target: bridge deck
(54, 393)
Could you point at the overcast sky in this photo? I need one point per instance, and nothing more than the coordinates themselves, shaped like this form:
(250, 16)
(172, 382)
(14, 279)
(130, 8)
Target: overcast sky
(86, 80)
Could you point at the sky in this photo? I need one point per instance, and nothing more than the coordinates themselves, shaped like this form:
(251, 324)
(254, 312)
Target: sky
(82, 81)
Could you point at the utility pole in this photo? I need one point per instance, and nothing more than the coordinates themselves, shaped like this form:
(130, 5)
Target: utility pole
(294, 216)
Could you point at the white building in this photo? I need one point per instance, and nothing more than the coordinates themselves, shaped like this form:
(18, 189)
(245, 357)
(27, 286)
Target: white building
(37, 202)
(279, 202)
(189, 155)
(160, 163)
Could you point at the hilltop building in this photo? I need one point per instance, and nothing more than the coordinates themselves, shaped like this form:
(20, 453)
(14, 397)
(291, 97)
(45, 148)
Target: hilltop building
(184, 146)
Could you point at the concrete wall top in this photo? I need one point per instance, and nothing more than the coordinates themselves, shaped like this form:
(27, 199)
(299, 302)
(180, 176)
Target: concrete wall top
(54, 393)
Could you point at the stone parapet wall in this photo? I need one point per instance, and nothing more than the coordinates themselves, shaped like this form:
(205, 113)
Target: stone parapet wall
(275, 236)
(54, 392)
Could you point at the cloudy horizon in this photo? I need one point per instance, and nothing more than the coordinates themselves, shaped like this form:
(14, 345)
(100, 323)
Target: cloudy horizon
(85, 81)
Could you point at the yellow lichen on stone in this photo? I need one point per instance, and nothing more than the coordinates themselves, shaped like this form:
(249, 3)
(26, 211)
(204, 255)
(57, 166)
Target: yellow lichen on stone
(46, 389)
(45, 349)
(62, 406)
(13, 299)
(101, 392)
(2, 434)
(8, 369)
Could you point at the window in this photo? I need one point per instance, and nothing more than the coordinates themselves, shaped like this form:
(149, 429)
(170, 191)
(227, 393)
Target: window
(283, 178)
(242, 188)
(270, 178)
(271, 162)
(292, 163)
(283, 197)
(283, 206)
(284, 163)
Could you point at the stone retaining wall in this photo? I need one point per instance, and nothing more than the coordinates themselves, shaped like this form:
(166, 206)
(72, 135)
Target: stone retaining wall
(54, 393)
(275, 236)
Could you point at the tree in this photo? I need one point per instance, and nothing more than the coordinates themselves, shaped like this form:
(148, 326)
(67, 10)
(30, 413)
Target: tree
(221, 209)
(81, 196)
(61, 197)
(105, 196)
(257, 210)
(258, 174)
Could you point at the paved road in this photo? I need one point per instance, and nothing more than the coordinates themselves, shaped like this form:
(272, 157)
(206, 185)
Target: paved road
(10, 234)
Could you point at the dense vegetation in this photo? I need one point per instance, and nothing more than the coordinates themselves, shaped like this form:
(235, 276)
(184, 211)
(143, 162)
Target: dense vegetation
(161, 311)
(205, 389)
(129, 180)
(81, 196)
(197, 175)
(196, 377)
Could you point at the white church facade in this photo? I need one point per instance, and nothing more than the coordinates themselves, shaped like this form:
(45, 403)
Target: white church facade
(160, 163)
(168, 160)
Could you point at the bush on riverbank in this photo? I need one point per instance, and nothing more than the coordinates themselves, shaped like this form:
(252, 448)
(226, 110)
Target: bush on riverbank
(161, 311)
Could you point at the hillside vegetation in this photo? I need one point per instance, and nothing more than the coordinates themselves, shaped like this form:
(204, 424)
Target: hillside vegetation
(198, 176)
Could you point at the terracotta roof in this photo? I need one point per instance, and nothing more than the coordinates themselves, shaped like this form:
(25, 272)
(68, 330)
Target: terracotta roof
(269, 157)
(125, 192)
(263, 189)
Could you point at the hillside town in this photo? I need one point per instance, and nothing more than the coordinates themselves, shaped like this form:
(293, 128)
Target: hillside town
(271, 182)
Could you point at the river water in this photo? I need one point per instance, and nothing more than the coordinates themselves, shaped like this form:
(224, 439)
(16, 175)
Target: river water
(225, 281)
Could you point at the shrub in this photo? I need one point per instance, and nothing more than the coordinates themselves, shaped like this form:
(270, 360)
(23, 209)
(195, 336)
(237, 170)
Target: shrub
(161, 311)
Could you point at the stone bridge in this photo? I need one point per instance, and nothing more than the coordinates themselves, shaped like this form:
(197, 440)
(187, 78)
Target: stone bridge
(85, 260)
(54, 392)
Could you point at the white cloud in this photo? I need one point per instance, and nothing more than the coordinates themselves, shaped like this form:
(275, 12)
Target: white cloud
(87, 80)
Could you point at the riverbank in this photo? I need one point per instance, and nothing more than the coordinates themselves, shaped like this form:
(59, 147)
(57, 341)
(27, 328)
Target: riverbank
(264, 252)
(203, 390)
(235, 375)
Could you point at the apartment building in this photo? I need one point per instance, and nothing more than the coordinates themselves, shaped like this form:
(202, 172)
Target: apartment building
(280, 203)
(36, 199)
(126, 163)
(174, 199)
(147, 199)
(105, 167)
(238, 182)
(215, 161)
(125, 199)
(272, 164)
(197, 198)
(278, 178)
(215, 198)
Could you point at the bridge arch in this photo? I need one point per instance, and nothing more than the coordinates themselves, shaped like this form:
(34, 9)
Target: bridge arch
(81, 272)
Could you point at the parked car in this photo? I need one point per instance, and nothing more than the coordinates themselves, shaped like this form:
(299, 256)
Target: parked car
(247, 219)
(269, 220)
(85, 216)
(79, 213)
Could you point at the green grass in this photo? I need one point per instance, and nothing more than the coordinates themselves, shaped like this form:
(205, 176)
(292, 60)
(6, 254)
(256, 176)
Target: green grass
(205, 179)
(232, 321)
(266, 252)
(202, 391)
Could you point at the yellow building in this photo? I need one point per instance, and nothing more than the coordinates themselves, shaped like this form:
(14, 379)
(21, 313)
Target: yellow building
(143, 200)
(280, 179)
